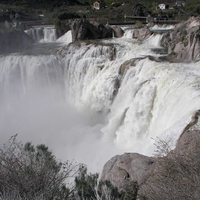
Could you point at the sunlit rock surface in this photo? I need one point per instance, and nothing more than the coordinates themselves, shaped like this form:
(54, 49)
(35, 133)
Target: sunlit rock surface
(183, 43)
(126, 169)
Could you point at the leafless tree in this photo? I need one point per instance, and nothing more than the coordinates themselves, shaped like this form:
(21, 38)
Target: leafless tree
(176, 175)
(33, 173)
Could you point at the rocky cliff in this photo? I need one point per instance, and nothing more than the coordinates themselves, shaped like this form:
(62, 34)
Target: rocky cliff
(172, 176)
(183, 43)
(82, 29)
(12, 40)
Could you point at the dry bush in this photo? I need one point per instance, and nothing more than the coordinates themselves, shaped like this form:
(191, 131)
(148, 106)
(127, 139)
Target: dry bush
(175, 176)
(30, 173)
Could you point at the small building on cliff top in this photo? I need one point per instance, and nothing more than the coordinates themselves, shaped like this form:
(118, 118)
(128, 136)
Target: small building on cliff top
(99, 5)
(176, 5)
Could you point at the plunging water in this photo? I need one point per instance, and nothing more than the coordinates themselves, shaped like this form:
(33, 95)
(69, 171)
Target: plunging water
(43, 34)
(92, 100)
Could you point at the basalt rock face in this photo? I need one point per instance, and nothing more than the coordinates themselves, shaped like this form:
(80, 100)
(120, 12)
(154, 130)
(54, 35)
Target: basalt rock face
(183, 43)
(84, 30)
(12, 40)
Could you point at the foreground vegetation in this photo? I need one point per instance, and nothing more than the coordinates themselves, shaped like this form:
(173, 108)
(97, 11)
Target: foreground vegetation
(29, 172)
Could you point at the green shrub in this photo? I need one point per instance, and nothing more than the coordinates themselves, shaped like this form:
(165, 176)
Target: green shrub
(185, 42)
(87, 187)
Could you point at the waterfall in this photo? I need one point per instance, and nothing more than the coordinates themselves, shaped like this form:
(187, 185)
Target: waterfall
(128, 33)
(144, 102)
(154, 100)
(91, 100)
(154, 40)
(36, 33)
(66, 38)
(42, 34)
(162, 27)
(49, 34)
(91, 79)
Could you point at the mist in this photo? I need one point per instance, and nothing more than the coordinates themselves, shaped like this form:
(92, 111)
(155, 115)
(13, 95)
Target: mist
(36, 109)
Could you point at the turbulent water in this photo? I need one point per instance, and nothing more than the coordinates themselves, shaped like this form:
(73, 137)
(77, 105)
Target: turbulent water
(89, 101)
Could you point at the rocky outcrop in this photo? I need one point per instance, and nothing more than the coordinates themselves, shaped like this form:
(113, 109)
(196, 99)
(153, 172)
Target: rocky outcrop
(141, 33)
(83, 30)
(12, 40)
(177, 175)
(183, 43)
(188, 143)
(117, 31)
(174, 176)
(129, 170)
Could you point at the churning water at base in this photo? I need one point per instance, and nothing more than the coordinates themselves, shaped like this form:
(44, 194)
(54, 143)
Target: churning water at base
(92, 100)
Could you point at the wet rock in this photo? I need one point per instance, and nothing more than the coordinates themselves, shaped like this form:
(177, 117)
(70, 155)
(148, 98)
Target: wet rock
(126, 65)
(117, 31)
(141, 33)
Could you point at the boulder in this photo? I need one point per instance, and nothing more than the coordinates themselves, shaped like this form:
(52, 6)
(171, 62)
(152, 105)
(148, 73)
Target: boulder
(82, 29)
(13, 40)
(117, 31)
(183, 43)
(126, 171)
(174, 176)
(141, 33)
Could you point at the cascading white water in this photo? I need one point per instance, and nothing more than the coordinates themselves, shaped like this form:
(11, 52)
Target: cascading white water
(128, 34)
(137, 113)
(154, 100)
(88, 104)
(154, 41)
(36, 33)
(92, 82)
(162, 27)
(66, 38)
(49, 35)
(43, 34)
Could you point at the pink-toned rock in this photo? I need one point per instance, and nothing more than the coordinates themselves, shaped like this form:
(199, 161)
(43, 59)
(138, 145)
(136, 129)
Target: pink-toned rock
(122, 170)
